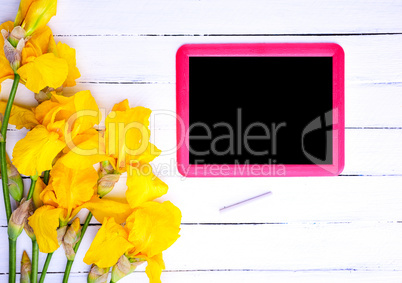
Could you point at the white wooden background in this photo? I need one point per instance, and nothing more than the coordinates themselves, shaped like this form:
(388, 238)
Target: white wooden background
(336, 229)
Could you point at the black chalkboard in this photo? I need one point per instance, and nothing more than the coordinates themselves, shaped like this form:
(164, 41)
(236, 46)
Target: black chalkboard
(270, 100)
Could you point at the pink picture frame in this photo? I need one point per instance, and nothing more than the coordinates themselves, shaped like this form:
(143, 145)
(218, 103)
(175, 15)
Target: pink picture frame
(255, 50)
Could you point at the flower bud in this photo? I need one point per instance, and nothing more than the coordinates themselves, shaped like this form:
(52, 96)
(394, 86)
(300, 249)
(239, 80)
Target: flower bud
(43, 95)
(13, 47)
(106, 168)
(97, 274)
(71, 237)
(16, 35)
(25, 268)
(46, 93)
(106, 183)
(17, 219)
(28, 229)
(60, 234)
(123, 267)
(15, 183)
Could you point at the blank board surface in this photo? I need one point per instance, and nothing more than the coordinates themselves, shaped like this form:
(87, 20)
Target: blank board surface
(265, 106)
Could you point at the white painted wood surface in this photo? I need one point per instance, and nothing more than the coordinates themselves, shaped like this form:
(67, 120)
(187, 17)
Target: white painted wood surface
(341, 229)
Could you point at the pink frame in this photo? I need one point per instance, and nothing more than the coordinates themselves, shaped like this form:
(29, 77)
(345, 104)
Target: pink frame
(259, 49)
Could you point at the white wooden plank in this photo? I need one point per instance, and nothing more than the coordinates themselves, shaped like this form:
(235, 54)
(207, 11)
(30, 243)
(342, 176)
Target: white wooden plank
(220, 17)
(248, 276)
(293, 200)
(367, 105)
(369, 59)
(152, 59)
(367, 152)
(360, 246)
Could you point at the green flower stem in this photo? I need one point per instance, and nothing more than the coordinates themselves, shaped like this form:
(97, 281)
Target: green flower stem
(45, 267)
(4, 126)
(49, 255)
(12, 245)
(77, 245)
(35, 248)
(32, 187)
(46, 176)
(35, 257)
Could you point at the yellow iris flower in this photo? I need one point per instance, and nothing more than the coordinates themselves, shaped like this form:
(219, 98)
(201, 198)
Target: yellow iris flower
(69, 191)
(35, 14)
(43, 62)
(28, 48)
(150, 229)
(58, 121)
(47, 64)
(125, 144)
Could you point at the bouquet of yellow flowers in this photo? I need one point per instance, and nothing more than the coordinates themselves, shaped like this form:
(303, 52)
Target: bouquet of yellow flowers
(73, 163)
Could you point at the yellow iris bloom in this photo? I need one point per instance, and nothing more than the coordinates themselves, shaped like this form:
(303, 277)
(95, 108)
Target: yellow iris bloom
(35, 14)
(43, 62)
(69, 191)
(59, 121)
(125, 144)
(150, 229)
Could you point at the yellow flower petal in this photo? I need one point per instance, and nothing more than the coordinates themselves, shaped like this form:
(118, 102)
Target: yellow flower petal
(5, 69)
(20, 117)
(80, 112)
(44, 111)
(109, 245)
(146, 156)
(102, 208)
(143, 185)
(72, 187)
(45, 70)
(38, 15)
(35, 153)
(45, 222)
(66, 52)
(153, 227)
(85, 150)
(47, 196)
(22, 11)
(154, 268)
(39, 187)
(122, 106)
(37, 45)
(87, 111)
(127, 134)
